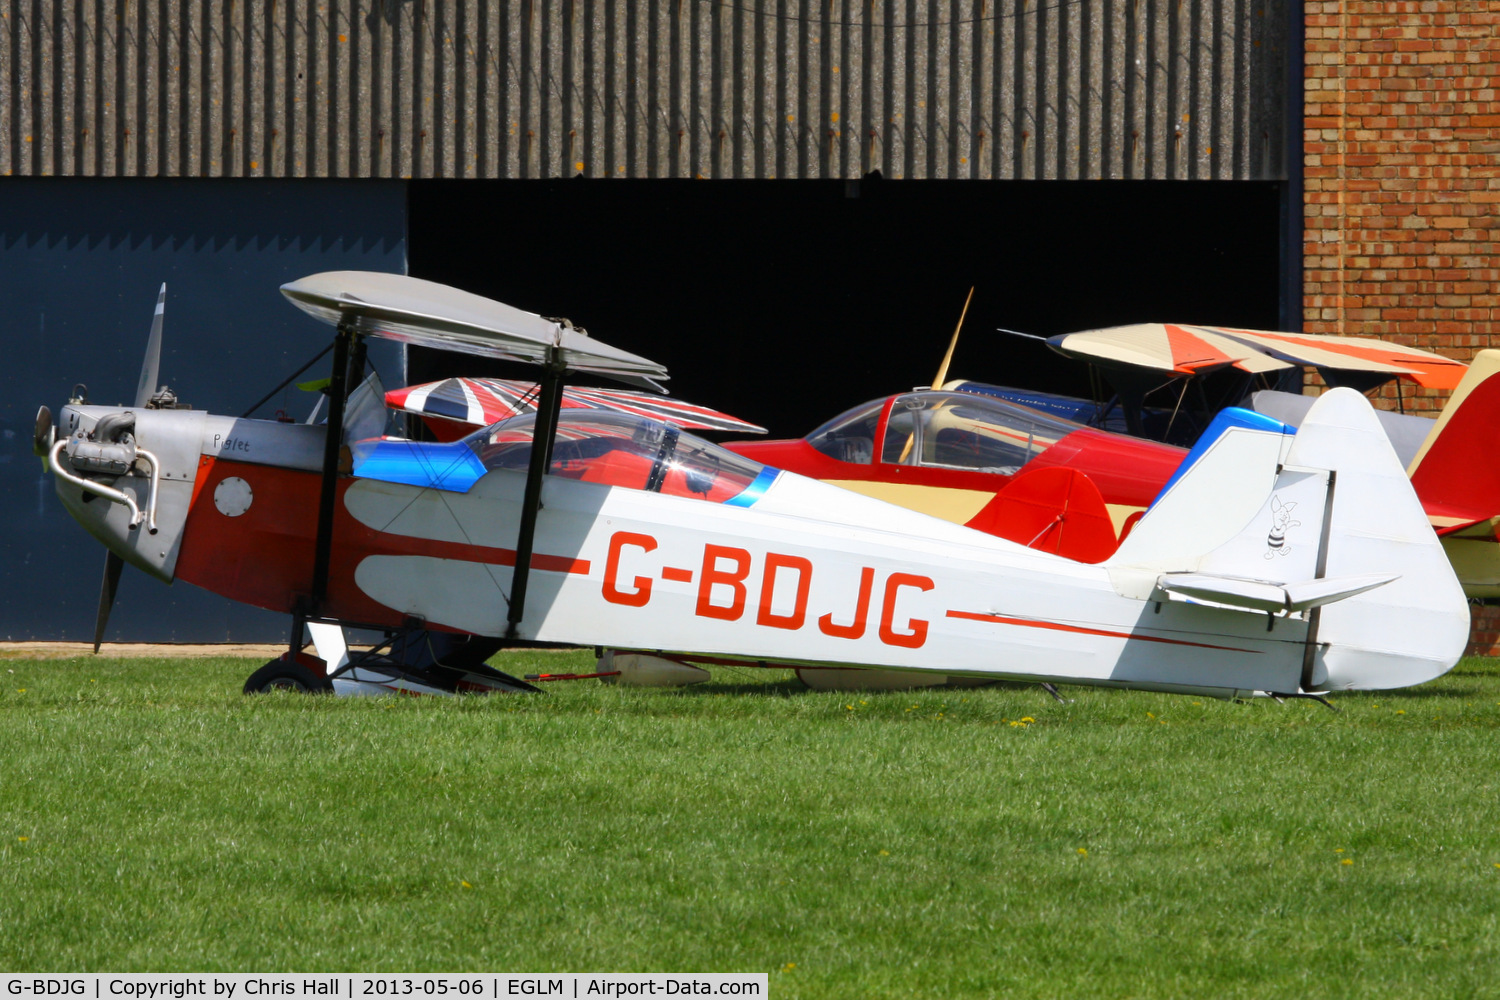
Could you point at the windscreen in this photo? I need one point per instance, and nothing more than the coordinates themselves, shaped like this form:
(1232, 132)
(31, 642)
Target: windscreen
(959, 430)
(616, 449)
(850, 436)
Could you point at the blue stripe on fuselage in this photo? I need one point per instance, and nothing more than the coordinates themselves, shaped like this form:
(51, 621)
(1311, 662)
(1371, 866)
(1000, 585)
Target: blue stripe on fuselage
(757, 489)
(453, 467)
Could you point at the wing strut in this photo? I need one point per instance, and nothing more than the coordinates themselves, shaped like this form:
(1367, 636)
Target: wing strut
(312, 607)
(1315, 616)
(543, 437)
(337, 391)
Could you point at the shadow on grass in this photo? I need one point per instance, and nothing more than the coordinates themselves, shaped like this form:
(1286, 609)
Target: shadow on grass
(778, 689)
(792, 686)
(1446, 692)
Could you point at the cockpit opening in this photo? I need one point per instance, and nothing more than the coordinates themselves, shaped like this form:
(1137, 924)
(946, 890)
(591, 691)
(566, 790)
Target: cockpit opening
(592, 446)
(946, 430)
(616, 449)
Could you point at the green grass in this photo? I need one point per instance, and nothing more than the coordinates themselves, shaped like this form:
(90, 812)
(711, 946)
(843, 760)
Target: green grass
(1127, 844)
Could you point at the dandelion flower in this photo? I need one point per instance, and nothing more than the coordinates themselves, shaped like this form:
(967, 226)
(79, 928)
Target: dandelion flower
(1083, 852)
(1027, 718)
(1347, 861)
(23, 839)
(1400, 711)
(1150, 715)
(849, 707)
(465, 884)
(1338, 850)
(788, 967)
(885, 854)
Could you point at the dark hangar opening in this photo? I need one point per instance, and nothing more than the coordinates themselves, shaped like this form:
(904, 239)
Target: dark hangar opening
(786, 301)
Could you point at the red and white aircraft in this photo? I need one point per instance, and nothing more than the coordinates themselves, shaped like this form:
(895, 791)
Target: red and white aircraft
(1282, 565)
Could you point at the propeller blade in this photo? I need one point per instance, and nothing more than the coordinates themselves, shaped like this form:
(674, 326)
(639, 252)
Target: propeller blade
(45, 433)
(113, 564)
(937, 383)
(152, 365)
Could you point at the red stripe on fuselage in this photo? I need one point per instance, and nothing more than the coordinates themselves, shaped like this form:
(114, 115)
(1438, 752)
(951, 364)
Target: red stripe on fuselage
(482, 554)
(264, 556)
(980, 616)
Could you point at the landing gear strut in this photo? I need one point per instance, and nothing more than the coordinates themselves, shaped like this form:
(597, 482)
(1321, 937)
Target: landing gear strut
(410, 660)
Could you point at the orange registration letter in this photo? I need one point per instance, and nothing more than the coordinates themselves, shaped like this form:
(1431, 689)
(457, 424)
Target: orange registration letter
(918, 633)
(612, 593)
(733, 579)
(861, 610)
(803, 568)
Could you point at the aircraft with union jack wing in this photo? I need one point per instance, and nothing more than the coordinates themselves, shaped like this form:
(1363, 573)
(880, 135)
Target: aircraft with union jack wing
(1292, 565)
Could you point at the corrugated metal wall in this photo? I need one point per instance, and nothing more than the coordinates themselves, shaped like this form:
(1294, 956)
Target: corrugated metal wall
(671, 88)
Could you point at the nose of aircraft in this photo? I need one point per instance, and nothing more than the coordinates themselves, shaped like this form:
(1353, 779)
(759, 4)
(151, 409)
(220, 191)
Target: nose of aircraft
(126, 474)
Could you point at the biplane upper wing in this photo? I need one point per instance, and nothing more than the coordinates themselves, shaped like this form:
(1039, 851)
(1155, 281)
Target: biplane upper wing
(413, 311)
(1170, 347)
(1185, 349)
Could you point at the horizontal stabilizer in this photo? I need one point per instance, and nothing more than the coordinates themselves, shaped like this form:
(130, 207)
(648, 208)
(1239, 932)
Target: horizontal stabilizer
(1257, 595)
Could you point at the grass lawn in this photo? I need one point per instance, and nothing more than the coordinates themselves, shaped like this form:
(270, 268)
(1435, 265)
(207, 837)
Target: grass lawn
(983, 842)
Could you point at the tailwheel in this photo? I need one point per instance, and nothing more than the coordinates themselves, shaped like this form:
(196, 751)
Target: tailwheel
(287, 675)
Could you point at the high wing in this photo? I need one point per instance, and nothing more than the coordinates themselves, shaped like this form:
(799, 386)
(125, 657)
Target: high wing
(452, 407)
(413, 311)
(1185, 349)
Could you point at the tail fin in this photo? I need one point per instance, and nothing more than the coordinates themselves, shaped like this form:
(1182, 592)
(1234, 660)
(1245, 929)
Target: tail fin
(1333, 533)
(1454, 472)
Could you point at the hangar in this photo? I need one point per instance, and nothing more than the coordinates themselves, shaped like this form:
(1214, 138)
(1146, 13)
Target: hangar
(785, 201)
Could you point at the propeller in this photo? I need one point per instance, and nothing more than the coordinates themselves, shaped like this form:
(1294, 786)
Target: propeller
(152, 364)
(113, 564)
(937, 383)
(145, 388)
(942, 372)
(44, 435)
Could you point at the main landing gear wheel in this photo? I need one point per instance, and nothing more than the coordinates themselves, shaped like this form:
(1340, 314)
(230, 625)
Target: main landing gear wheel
(279, 675)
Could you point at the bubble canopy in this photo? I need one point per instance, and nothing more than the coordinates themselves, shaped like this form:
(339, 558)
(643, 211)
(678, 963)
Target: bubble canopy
(593, 446)
(943, 430)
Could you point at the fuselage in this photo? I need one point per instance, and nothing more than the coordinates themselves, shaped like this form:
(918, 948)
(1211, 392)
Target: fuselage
(949, 454)
(1129, 472)
(751, 564)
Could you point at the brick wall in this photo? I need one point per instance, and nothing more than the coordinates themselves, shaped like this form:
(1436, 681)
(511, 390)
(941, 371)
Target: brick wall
(1484, 630)
(1402, 175)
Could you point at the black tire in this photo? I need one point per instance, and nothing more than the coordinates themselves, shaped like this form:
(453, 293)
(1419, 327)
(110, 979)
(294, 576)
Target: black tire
(279, 675)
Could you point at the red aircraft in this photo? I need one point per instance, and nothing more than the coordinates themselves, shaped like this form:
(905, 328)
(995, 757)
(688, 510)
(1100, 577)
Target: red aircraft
(1056, 485)
(977, 460)
(986, 463)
